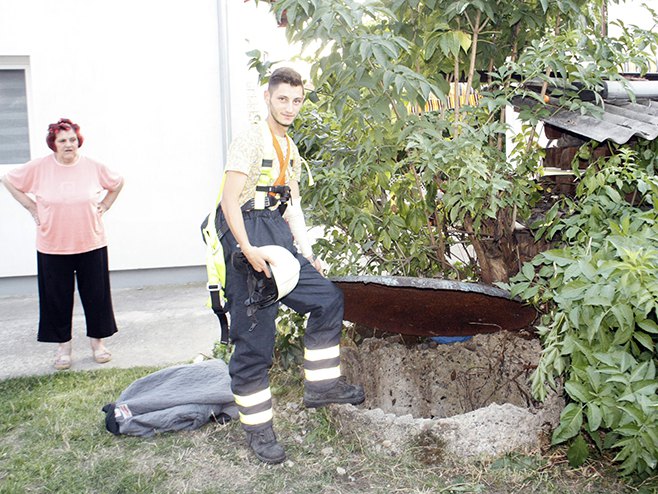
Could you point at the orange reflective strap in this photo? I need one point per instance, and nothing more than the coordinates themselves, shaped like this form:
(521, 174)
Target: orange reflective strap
(283, 164)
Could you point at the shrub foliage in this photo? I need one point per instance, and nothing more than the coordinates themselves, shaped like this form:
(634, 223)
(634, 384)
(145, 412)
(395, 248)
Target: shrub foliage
(406, 191)
(600, 327)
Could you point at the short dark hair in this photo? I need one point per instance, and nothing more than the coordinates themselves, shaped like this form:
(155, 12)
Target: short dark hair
(56, 128)
(285, 75)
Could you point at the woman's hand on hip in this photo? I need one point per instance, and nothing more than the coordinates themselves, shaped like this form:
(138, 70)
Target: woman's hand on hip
(102, 208)
(35, 214)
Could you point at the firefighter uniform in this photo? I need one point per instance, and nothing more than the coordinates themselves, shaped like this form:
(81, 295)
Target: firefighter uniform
(253, 336)
(253, 333)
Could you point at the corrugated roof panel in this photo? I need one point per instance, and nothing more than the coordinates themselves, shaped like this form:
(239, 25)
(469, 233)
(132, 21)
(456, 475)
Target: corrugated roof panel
(650, 107)
(591, 127)
(619, 122)
(645, 125)
(638, 113)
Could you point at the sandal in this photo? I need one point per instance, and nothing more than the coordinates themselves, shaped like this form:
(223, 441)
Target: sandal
(63, 361)
(102, 355)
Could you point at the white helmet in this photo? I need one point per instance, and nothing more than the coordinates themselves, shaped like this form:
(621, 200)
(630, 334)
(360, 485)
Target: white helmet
(284, 270)
(264, 291)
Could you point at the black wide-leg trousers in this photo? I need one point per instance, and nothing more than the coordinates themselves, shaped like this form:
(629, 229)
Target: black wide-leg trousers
(57, 275)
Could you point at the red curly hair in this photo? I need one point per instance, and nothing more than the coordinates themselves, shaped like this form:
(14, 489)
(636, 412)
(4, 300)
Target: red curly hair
(56, 128)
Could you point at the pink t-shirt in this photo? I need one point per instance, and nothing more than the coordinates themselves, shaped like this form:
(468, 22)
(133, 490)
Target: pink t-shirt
(67, 197)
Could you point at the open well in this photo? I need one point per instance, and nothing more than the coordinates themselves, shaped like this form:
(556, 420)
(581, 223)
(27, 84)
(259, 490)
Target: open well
(473, 397)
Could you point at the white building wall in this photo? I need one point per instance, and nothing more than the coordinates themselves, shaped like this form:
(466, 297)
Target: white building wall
(141, 79)
(254, 27)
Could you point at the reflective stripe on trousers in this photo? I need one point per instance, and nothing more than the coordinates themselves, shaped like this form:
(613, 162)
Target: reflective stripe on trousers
(255, 409)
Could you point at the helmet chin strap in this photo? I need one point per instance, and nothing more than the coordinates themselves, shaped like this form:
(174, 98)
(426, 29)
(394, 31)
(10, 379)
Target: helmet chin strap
(262, 290)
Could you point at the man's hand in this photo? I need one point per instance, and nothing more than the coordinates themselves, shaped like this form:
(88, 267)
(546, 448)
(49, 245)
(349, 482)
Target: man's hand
(258, 259)
(317, 264)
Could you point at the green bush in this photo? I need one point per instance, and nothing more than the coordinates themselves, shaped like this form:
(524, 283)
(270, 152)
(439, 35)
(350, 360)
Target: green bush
(396, 190)
(599, 291)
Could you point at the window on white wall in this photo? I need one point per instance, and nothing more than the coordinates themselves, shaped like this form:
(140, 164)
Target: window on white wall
(14, 129)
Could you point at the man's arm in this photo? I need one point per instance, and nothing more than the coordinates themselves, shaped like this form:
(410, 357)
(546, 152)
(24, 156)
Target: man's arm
(295, 217)
(24, 200)
(233, 185)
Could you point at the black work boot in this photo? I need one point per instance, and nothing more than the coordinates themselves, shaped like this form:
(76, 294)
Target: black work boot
(265, 446)
(342, 392)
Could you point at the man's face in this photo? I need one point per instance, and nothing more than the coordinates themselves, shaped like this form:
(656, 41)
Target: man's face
(284, 103)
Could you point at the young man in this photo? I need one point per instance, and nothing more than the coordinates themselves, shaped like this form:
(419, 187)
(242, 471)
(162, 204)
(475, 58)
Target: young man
(262, 172)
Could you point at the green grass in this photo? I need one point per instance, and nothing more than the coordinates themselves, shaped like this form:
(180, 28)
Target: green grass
(53, 440)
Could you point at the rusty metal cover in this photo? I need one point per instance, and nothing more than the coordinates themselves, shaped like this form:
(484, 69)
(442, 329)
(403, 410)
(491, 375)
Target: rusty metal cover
(431, 306)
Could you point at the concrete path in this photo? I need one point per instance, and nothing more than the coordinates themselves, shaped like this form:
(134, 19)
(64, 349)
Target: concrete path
(158, 326)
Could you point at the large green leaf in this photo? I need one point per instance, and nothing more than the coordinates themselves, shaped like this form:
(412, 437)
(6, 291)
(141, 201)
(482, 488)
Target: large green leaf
(578, 452)
(594, 416)
(577, 391)
(571, 420)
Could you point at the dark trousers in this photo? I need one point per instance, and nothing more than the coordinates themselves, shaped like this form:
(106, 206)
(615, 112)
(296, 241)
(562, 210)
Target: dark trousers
(57, 275)
(314, 294)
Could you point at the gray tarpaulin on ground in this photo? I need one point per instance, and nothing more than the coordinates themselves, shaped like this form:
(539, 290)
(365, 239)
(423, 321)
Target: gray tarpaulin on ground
(183, 397)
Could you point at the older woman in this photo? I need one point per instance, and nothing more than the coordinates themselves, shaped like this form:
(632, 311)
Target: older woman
(67, 194)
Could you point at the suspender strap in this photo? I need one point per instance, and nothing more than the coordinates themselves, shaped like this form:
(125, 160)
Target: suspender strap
(216, 306)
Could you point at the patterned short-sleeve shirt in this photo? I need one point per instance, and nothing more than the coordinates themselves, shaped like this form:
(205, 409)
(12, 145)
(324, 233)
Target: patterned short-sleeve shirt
(246, 155)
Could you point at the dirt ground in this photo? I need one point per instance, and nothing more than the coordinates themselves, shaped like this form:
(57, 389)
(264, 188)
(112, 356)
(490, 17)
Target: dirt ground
(475, 396)
(430, 380)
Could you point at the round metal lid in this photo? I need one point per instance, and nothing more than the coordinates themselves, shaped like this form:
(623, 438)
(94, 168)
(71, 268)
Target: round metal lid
(431, 306)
